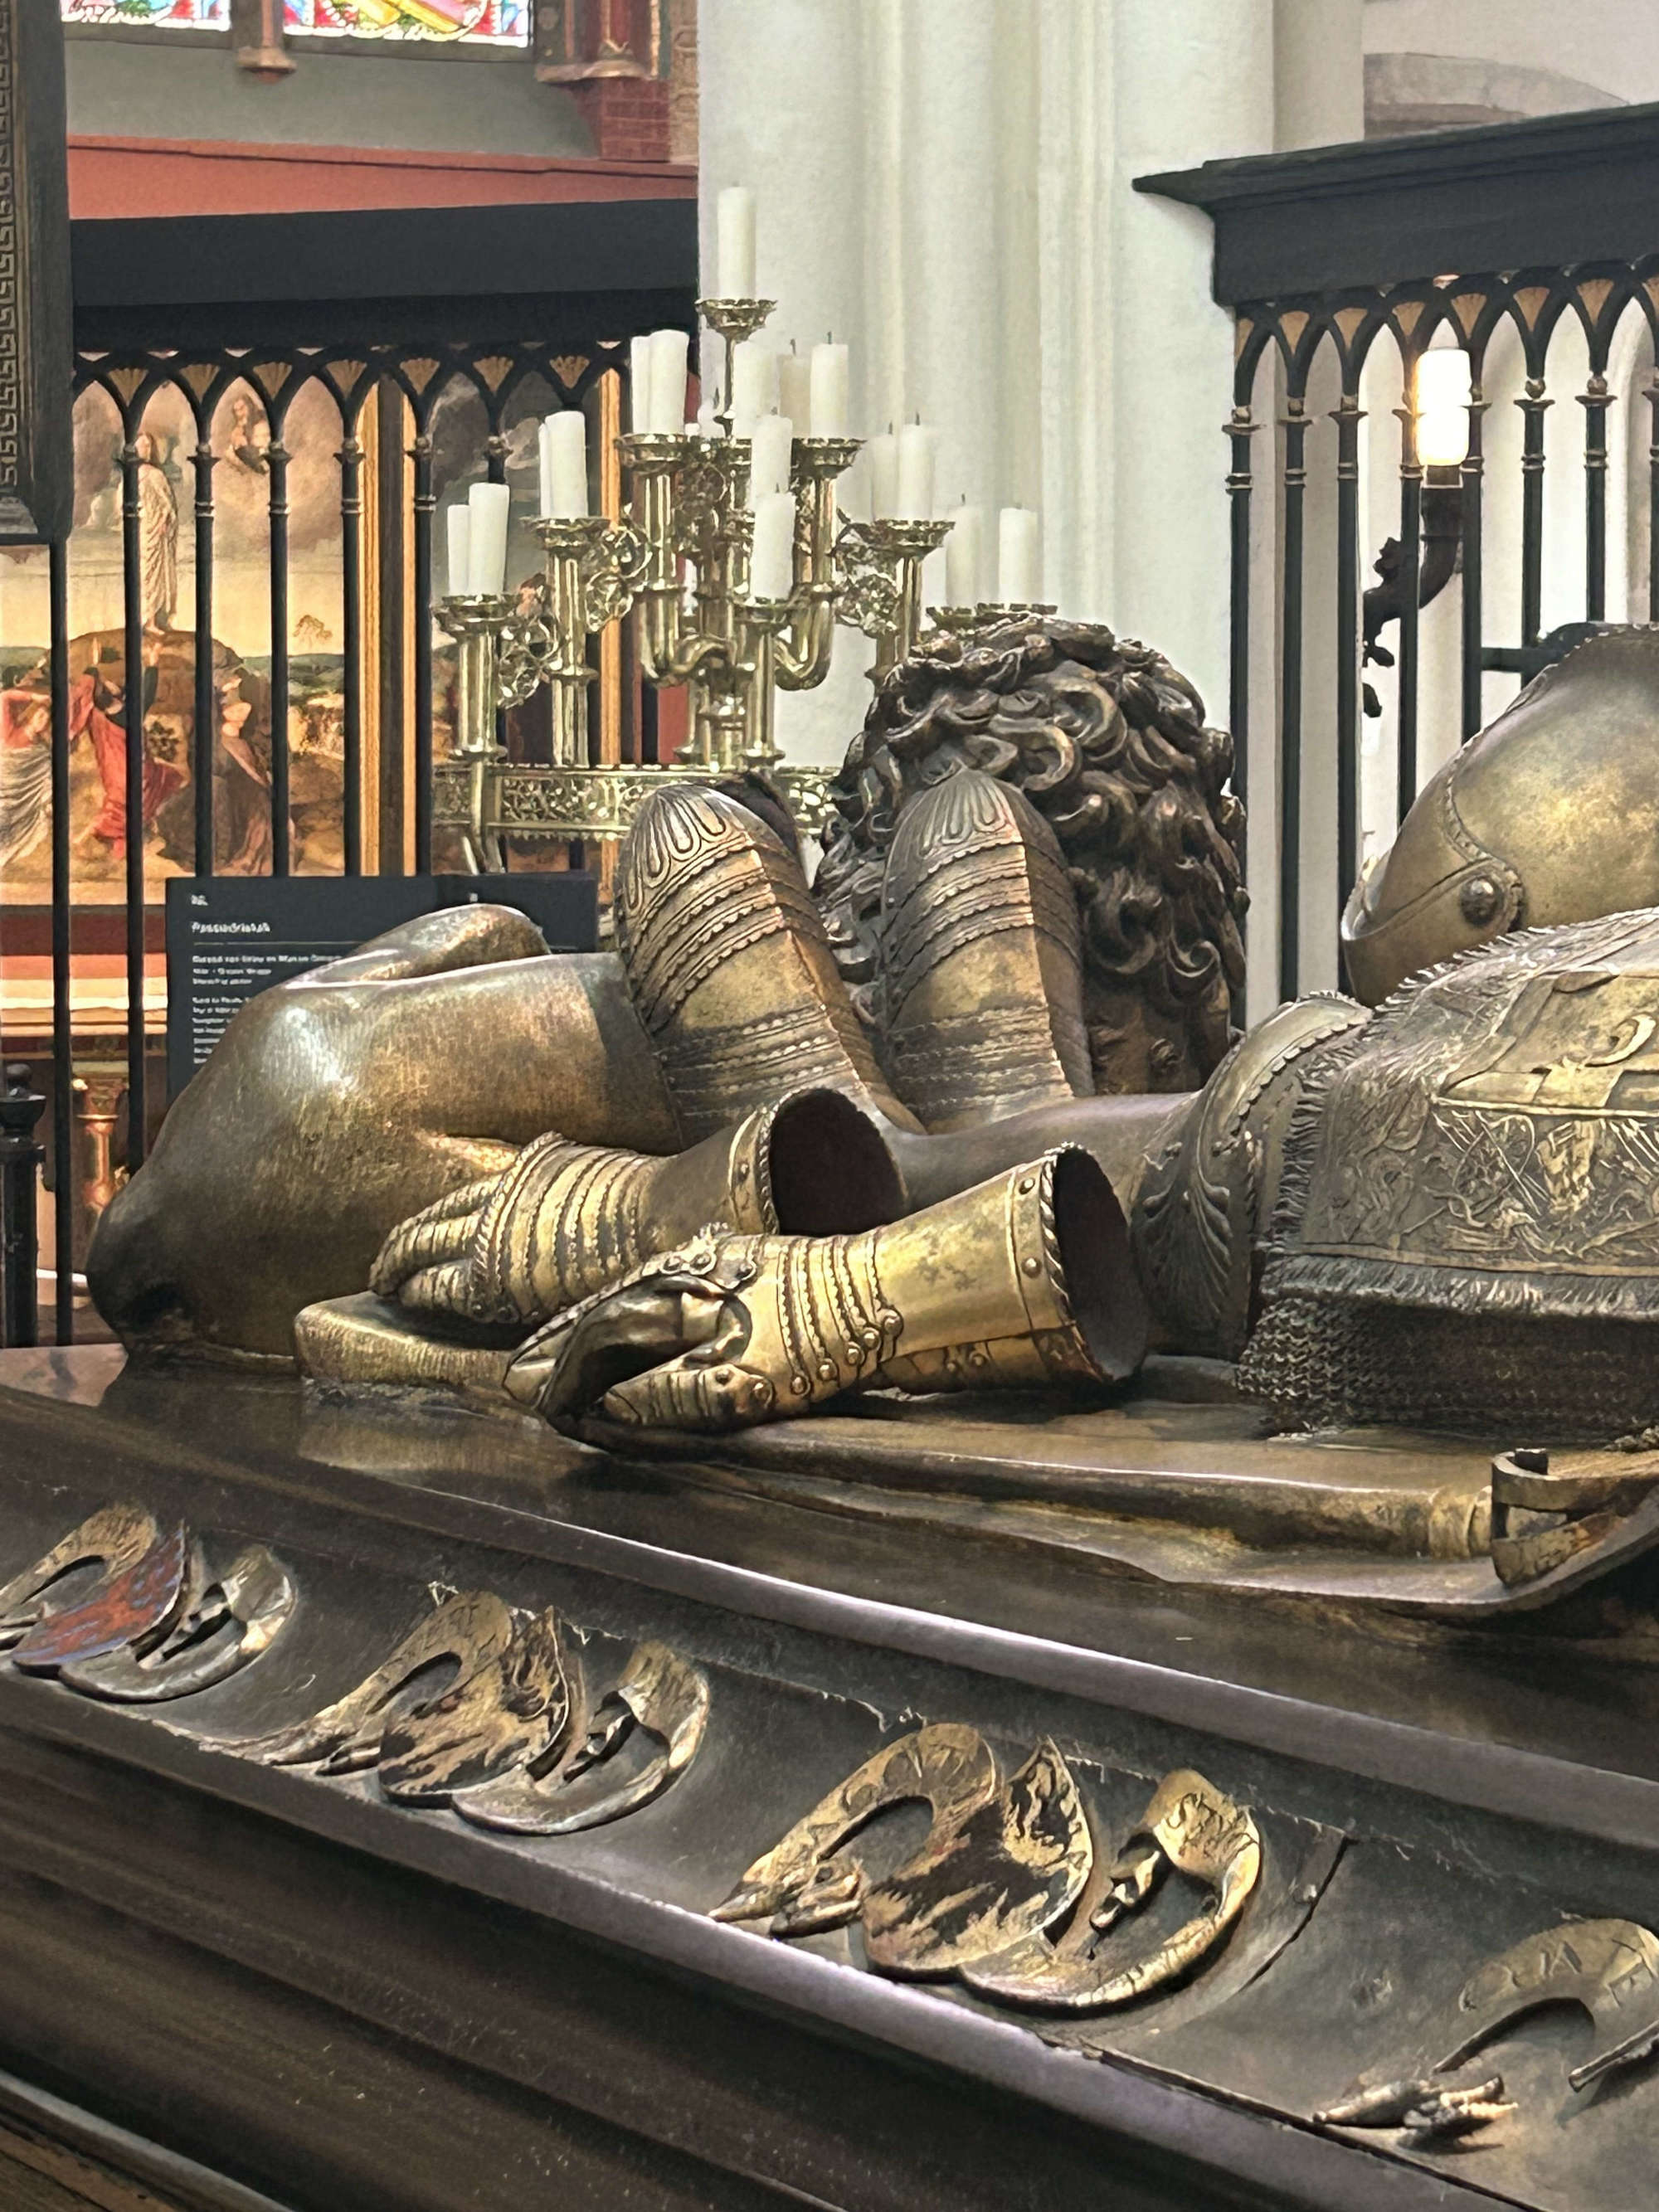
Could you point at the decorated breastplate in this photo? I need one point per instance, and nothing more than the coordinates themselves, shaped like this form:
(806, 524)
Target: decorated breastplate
(1487, 1148)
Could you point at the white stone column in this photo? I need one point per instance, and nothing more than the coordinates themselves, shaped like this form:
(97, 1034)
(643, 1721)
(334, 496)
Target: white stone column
(948, 184)
(782, 109)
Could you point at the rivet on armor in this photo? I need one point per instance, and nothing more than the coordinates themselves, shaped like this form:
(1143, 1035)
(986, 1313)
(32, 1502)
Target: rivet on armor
(1479, 900)
(798, 1386)
(1027, 1186)
(855, 1355)
(827, 1372)
(1031, 1266)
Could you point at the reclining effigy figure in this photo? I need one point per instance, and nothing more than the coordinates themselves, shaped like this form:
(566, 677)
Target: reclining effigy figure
(1407, 1216)
(340, 1104)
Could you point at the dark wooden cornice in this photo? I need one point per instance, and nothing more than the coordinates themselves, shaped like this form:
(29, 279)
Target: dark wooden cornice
(353, 275)
(1562, 190)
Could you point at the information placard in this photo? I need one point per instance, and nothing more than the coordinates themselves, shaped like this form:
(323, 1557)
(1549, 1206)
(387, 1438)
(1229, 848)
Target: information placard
(229, 938)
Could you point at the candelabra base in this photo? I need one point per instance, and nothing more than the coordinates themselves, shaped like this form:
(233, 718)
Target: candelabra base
(603, 803)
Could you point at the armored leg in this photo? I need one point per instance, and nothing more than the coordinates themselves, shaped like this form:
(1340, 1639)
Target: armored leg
(980, 989)
(730, 967)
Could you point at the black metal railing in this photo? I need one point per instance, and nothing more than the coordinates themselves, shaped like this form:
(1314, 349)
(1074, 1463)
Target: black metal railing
(400, 392)
(1342, 267)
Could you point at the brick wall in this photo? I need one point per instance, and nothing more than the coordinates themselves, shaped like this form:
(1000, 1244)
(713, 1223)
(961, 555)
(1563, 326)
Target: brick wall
(628, 116)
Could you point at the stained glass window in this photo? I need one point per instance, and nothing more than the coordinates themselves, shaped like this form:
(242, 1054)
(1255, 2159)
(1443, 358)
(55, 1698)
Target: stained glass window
(167, 14)
(483, 22)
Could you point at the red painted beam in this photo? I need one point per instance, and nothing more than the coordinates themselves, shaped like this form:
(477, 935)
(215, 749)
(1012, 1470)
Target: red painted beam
(114, 177)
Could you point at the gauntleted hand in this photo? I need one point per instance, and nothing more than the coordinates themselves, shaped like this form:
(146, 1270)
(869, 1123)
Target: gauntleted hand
(728, 1330)
(561, 1221)
(673, 1346)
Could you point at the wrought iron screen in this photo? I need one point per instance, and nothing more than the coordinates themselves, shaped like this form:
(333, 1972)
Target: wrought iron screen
(1383, 611)
(232, 667)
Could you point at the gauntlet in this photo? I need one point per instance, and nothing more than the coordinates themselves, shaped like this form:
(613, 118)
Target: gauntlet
(567, 1219)
(1023, 1281)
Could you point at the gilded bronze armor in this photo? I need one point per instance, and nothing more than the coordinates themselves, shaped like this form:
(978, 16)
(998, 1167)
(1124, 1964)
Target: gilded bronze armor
(1201, 1210)
(1549, 816)
(1468, 1231)
(567, 1219)
(1024, 1280)
(981, 998)
(729, 966)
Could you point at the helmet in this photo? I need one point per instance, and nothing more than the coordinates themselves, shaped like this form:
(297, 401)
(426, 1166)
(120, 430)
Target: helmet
(1551, 815)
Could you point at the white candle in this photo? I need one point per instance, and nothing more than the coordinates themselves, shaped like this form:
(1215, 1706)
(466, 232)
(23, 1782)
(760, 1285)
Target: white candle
(460, 527)
(754, 383)
(915, 473)
(486, 568)
(883, 475)
(772, 563)
(669, 350)
(566, 434)
(769, 440)
(830, 376)
(638, 384)
(963, 556)
(734, 233)
(1019, 556)
(795, 391)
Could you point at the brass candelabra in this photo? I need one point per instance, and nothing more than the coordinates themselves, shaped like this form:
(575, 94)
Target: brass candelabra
(680, 567)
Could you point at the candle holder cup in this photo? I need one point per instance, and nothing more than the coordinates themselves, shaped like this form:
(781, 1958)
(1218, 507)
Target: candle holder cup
(882, 561)
(476, 621)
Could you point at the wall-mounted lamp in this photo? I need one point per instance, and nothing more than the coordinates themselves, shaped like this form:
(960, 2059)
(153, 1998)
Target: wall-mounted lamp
(1441, 393)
